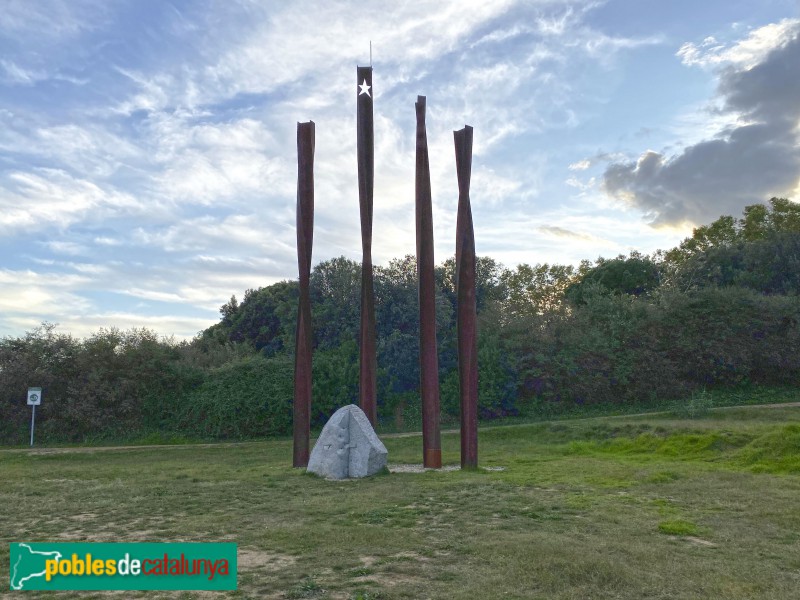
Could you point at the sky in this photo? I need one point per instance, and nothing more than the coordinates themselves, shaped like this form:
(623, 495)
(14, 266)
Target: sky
(148, 147)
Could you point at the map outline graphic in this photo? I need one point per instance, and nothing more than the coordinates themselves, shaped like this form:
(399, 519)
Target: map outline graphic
(13, 574)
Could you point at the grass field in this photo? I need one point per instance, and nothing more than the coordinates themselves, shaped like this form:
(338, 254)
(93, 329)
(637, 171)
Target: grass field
(624, 507)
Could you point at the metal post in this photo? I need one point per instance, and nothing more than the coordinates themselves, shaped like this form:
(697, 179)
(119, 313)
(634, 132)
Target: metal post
(368, 366)
(33, 420)
(465, 292)
(303, 337)
(428, 359)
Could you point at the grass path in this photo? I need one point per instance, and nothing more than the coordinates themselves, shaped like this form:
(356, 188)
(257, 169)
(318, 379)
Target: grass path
(407, 434)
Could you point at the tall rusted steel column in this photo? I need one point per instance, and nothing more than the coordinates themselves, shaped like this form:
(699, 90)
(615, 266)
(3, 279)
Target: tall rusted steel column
(428, 359)
(467, 312)
(305, 236)
(366, 160)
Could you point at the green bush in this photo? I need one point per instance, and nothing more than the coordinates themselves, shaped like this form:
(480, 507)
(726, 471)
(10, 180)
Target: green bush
(335, 383)
(94, 388)
(251, 397)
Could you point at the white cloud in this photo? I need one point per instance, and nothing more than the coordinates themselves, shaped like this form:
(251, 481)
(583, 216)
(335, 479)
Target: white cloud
(86, 149)
(583, 185)
(53, 20)
(107, 241)
(29, 200)
(170, 181)
(16, 74)
(65, 247)
(580, 165)
(561, 232)
(169, 325)
(743, 54)
(38, 296)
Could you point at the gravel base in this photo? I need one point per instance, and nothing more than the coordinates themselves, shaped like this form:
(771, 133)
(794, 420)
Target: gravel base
(416, 468)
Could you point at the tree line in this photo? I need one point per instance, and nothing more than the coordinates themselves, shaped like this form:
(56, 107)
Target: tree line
(719, 310)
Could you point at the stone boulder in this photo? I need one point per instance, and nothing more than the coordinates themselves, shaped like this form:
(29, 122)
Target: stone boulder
(347, 447)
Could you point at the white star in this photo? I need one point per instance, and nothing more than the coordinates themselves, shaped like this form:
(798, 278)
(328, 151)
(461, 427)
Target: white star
(364, 89)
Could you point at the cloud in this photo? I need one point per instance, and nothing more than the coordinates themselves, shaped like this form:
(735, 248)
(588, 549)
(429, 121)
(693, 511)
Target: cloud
(88, 149)
(745, 163)
(169, 183)
(584, 185)
(580, 165)
(170, 325)
(28, 294)
(565, 233)
(52, 20)
(173, 305)
(68, 248)
(29, 200)
(745, 53)
(15, 74)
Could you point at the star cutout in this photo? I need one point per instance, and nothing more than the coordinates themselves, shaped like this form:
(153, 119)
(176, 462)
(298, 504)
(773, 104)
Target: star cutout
(364, 89)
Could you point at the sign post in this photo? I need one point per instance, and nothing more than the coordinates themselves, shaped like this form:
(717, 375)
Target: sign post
(34, 400)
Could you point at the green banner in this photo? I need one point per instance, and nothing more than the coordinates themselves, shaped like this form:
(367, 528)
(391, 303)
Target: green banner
(122, 566)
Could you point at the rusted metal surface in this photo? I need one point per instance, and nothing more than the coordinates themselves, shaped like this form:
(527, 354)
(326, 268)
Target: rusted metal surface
(368, 367)
(465, 293)
(428, 359)
(305, 235)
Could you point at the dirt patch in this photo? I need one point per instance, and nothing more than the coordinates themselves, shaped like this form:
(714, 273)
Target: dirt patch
(89, 449)
(408, 555)
(417, 468)
(414, 468)
(369, 561)
(83, 517)
(85, 527)
(699, 541)
(107, 535)
(250, 558)
(403, 568)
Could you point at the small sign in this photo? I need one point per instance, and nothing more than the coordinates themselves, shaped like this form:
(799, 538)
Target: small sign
(34, 396)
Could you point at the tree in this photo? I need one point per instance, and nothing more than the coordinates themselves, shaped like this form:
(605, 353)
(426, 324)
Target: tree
(489, 286)
(266, 318)
(229, 309)
(335, 301)
(633, 276)
(759, 222)
(536, 290)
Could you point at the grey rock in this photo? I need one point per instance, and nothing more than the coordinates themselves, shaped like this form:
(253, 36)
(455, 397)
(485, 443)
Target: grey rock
(347, 447)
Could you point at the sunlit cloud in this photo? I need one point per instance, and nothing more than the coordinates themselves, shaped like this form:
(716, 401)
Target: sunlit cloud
(754, 157)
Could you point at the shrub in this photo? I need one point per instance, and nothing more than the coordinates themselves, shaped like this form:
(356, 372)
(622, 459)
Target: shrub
(251, 397)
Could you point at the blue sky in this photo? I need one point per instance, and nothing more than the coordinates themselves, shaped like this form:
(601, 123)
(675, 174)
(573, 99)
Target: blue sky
(147, 147)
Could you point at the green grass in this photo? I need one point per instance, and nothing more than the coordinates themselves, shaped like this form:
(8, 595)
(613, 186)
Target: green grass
(678, 527)
(697, 405)
(658, 506)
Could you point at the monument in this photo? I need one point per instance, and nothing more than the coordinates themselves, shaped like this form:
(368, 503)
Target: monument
(347, 447)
